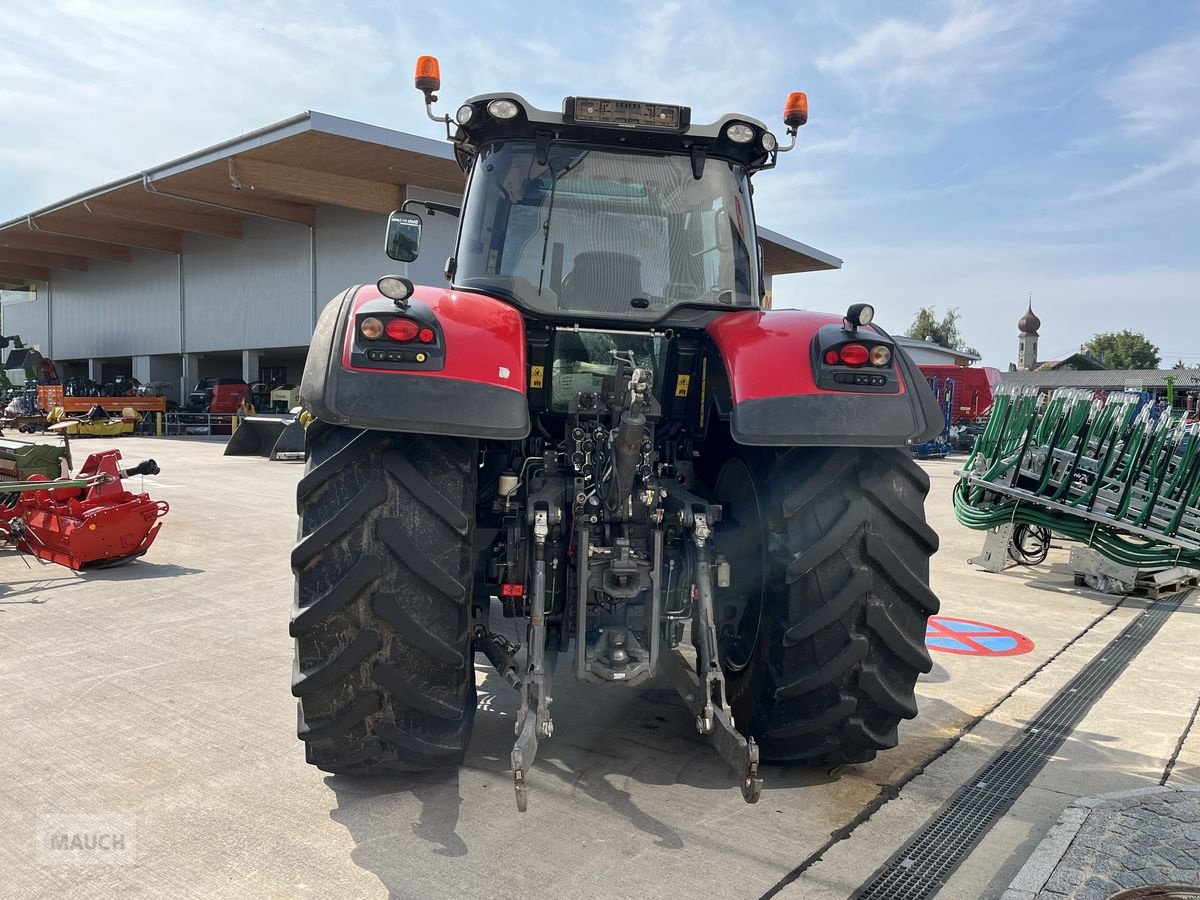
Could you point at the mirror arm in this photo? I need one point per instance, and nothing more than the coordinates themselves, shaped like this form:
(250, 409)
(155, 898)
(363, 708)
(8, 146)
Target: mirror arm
(432, 207)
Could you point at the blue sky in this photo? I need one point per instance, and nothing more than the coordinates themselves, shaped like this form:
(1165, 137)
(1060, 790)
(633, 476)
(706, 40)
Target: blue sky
(958, 154)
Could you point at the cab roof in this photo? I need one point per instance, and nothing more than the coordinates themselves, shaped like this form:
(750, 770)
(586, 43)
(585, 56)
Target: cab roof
(615, 123)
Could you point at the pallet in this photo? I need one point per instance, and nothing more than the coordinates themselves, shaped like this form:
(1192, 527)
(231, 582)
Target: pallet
(1154, 586)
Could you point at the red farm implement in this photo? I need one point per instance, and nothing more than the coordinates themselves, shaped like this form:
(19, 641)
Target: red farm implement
(87, 521)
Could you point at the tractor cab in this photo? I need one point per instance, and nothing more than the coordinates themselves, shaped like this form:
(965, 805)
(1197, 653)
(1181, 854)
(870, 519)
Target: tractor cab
(608, 209)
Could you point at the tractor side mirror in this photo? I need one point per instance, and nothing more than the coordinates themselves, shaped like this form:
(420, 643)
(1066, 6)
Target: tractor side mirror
(403, 236)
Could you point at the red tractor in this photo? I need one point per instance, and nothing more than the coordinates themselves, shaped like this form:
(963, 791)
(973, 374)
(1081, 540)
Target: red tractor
(599, 429)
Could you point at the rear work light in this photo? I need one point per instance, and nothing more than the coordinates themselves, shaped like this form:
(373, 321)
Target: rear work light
(402, 329)
(854, 354)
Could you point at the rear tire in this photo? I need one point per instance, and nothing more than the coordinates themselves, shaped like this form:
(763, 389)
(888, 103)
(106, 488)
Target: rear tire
(846, 599)
(384, 574)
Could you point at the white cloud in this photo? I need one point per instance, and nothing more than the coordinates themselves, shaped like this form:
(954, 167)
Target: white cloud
(1156, 94)
(1154, 100)
(94, 90)
(970, 62)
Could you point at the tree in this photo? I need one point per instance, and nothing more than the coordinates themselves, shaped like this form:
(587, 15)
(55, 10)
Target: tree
(945, 332)
(1179, 365)
(1123, 350)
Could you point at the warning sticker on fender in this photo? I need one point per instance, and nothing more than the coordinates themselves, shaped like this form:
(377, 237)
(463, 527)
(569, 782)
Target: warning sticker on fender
(536, 374)
(682, 383)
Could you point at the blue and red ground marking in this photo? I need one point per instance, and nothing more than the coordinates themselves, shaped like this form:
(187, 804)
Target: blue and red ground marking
(974, 638)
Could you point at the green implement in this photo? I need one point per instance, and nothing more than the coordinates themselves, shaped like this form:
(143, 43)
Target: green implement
(19, 460)
(1115, 473)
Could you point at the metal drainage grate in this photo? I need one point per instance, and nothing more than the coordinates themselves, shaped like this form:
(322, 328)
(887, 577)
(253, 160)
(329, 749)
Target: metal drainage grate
(921, 868)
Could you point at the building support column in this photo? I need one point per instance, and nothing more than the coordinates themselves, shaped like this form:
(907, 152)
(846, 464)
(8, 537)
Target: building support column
(191, 373)
(251, 360)
(141, 369)
(94, 370)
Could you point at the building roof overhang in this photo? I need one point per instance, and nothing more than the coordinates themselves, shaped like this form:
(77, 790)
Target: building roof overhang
(282, 172)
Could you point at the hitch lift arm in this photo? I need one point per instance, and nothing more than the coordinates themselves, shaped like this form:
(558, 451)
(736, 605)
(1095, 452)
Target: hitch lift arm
(533, 718)
(704, 694)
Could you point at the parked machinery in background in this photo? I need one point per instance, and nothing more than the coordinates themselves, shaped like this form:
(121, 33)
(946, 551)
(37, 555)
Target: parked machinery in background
(218, 396)
(939, 446)
(23, 413)
(974, 388)
(82, 387)
(37, 369)
(285, 398)
(96, 422)
(260, 395)
(123, 386)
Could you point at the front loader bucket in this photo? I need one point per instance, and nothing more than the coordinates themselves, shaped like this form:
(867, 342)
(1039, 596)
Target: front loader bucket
(291, 442)
(257, 436)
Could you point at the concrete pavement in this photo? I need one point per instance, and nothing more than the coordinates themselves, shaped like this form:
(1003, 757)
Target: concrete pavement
(159, 693)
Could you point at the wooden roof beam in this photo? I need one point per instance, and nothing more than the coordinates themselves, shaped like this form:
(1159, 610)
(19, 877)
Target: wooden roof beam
(28, 273)
(153, 213)
(41, 258)
(22, 237)
(309, 185)
(98, 229)
(241, 201)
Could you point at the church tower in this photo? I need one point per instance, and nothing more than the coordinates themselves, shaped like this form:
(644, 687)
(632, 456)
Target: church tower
(1027, 342)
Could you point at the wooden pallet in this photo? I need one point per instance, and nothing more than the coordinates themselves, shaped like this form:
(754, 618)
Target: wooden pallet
(1154, 586)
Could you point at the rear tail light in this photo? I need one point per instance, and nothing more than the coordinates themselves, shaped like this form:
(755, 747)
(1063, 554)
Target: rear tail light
(371, 328)
(832, 358)
(854, 354)
(880, 355)
(426, 336)
(402, 329)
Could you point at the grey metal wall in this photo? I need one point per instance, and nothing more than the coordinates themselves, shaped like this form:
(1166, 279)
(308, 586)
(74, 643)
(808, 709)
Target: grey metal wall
(350, 247)
(349, 251)
(117, 309)
(255, 292)
(252, 294)
(27, 319)
(437, 239)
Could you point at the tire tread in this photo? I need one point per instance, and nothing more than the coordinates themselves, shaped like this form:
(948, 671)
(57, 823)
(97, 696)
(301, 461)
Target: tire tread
(384, 571)
(848, 598)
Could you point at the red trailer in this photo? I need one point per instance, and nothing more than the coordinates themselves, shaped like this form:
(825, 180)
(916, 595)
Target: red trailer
(972, 389)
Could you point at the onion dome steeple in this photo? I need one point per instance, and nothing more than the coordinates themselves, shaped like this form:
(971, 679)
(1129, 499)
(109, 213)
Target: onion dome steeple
(1029, 323)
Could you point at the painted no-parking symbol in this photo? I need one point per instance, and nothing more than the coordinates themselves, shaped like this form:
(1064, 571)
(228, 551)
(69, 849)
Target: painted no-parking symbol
(974, 638)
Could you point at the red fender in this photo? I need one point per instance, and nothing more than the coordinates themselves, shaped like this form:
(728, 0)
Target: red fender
(468, 380)
(776, 400)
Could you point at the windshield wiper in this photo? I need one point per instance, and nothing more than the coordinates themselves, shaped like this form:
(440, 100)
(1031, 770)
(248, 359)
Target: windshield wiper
(554, 176)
